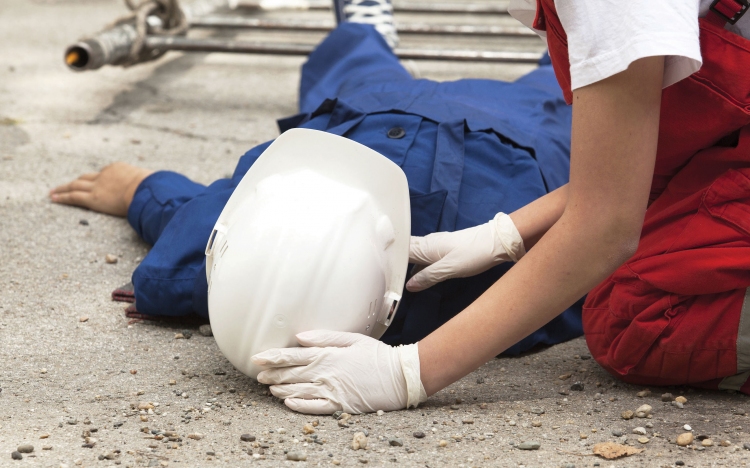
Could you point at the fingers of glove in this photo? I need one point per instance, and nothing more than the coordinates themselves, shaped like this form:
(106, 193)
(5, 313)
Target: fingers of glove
(429, 249)
(432, 275)
(285, 375)
(284, 357)
(306, 391)
(323, 338)
(319, 406)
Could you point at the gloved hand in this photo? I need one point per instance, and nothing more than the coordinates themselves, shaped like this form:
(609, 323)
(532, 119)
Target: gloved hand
(464, 253)
(339, 371)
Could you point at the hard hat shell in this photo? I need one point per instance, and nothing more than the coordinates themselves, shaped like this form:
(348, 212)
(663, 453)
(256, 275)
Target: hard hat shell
(315, 236)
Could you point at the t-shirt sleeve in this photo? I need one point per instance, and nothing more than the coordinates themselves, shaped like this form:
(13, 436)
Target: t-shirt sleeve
(606, 36)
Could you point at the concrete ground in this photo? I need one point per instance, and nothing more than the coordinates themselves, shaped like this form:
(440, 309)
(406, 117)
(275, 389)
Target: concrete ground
(73, 366)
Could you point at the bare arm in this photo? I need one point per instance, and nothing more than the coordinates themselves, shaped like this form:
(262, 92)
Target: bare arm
(615, 131)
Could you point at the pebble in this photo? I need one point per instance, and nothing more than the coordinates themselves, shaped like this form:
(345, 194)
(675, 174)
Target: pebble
(308, 429)
(83, 319)
(667, 397)
(418, 434)
(577, 387)
(725, 443)
(25, 448)
(643, 393)
(443, 443)
(529, 445)
(296, 456)
(536, 423)
(363, 461)
(44, 436)
(627, 414)
(678, 404)
(359, 441)
(480, 380)
(643, 411)
(395, 442)
(16, 456)
(707, 442)
(643, 440)
(83, 222)
(196, 436)
(679, 463)
(72, 421)
(537, 410)
(205, 330)
(467, 421)
(639, 431)
(247, 438)
(47, 447)
(746, 446)
(685, 439)
(617, 433)
(568, 465)
(687, 427)
(681, 399)
(380, 412)
(111, 259)
(565, 376)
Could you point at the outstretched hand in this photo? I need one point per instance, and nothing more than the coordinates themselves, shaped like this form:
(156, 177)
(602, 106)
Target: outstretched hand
(109, 191)
(339, 371)
(464, 253)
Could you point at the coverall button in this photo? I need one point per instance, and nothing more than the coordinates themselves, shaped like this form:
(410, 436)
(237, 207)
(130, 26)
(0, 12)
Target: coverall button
(396, 133)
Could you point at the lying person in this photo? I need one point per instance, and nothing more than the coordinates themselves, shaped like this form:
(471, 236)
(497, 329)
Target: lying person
(470, 149)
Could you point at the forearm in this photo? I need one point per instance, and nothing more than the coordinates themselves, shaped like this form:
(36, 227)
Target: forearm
(536, 218)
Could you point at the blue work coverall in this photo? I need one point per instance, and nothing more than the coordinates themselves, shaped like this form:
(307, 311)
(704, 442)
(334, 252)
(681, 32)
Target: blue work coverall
(469, 149)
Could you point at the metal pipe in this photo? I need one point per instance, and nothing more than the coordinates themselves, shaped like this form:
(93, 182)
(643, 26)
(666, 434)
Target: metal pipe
(325, 26)
(402, 7)
(245, 47)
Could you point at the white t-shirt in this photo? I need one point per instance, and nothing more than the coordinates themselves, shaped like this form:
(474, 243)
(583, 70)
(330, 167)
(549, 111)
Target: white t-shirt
(606, 36)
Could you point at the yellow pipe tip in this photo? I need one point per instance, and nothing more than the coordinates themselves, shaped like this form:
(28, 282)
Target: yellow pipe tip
(72, 58)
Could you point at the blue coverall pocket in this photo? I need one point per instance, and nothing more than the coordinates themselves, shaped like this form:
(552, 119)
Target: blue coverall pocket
(389, 134)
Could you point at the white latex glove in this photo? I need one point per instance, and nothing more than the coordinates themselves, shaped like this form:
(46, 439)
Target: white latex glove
(464, 253)
(339, 371)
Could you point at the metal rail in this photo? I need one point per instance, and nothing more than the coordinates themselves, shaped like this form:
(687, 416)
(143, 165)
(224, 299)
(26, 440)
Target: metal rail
(246, 47)
(325, 26)
(402, 7)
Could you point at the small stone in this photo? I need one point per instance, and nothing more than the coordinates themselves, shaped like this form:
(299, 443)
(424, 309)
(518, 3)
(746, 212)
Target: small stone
(316, 423)
(296, 456)
(418, 434)
(380, 412)
(529, 445)
(643, 440)
(196, 436)
(681, 399)
(363, 461)
(16, 456)
(25, 448)
(685, 439)
(687, 427)
(44, 436)
(565, 376)
(480, 380)
(536, 423)
(133, 371)
(537, 410)
(643, 393)
(679, 463)
(617, 433)
(337, 414)
(111, 259)
(643, 411)
(336, 462)
(511, 423)
(725, 443)
(583, 436)
(568, 465)
(639, 431)
(83, 222)
(359, 441)
(483, 406)
(72, 421)
(443, 443)
(308, 429)
(179, 336)
(83, 319)
(205, 330)
(746, 446)
(395, 442)
(46, 447)
(467, 421)
(667, 397)
(678, 404)
(247, 438)
(577, 387)
(707, 442)
(627, 414)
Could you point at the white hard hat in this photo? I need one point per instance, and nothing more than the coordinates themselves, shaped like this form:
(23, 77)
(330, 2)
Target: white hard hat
(315, 236)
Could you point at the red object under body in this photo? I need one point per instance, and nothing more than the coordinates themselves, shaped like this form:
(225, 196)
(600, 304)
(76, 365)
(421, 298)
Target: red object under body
(670, 315)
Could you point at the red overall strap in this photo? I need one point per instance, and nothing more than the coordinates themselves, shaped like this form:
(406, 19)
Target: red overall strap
(726, 11)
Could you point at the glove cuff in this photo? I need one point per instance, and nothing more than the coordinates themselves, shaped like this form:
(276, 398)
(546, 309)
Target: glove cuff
(415, 392)
(507, 234)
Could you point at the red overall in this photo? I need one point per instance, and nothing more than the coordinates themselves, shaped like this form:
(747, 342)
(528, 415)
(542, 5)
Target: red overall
(678, 312)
